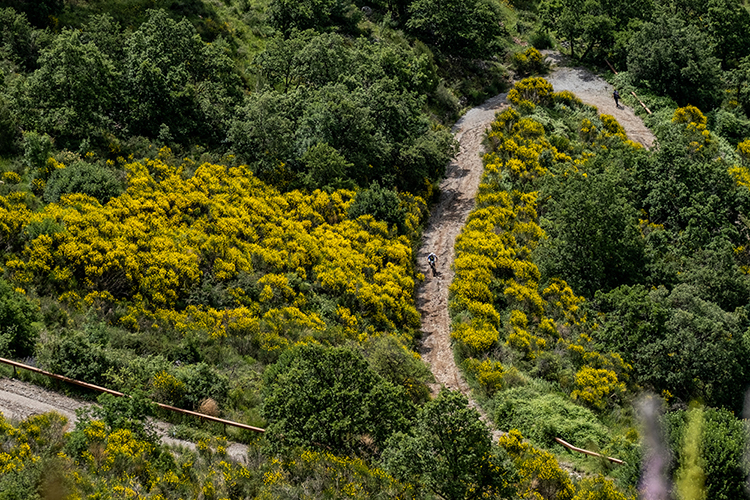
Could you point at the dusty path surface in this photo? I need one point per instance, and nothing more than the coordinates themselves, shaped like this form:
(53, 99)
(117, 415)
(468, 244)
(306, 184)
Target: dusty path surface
(20, 400)
(595, 91)
(458, 190)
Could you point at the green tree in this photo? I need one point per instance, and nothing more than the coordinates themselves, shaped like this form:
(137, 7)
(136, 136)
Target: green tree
(468, 28)
(18, 334)
(593, 238)
(677, 342)
(450, 451)
(727, 22)
(677, 60)
(329, 397)
(721, 440)
(382, 203)
(171, 77)
(72, 93)
(17, 40)
(324, 167)
(286, 15)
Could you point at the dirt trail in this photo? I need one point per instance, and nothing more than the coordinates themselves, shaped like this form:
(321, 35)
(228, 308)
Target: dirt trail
(595, 91)
(458, 190)
(20, 400)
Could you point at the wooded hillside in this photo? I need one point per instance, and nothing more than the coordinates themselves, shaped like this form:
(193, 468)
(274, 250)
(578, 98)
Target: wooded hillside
(217, 205)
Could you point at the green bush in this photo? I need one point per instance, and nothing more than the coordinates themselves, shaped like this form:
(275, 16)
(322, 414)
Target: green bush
(202, 382)
(541, 40)
(451, 452)
(18, 335)
(76, 356)
(543, 417)
(382, 203)
(529, 61)
(330, 398)
(389, 359)
(721, 449)
(82, 177)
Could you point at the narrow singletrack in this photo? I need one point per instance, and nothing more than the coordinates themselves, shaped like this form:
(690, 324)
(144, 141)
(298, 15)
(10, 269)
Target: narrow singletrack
(457, 193)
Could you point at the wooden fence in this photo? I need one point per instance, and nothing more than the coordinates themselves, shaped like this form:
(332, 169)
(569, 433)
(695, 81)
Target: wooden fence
(16, 364)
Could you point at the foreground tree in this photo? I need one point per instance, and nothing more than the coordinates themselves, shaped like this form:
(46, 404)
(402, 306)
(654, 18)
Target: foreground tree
(331, 398)
(451, 452)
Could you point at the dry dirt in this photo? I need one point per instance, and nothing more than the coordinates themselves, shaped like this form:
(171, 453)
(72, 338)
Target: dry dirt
(457, 199)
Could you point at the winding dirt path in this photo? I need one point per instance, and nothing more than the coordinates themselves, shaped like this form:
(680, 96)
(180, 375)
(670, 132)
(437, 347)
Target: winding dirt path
(457, 192)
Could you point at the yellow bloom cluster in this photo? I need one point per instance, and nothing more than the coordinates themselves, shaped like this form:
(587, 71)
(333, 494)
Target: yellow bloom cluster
(337, 477)
(170, 232)
(541, 476)
(595, 385)
(493, 253)
(488, 373)
(695, 126)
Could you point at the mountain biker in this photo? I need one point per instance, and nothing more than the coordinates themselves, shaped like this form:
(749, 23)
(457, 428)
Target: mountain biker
(432, 260)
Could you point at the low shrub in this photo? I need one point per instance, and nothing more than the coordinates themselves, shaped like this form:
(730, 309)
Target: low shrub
(541, 417)
(81, 177)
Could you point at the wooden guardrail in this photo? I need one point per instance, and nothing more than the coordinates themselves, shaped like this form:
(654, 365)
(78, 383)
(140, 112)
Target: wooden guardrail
(587, 452)
(16, 364)
(636, 97)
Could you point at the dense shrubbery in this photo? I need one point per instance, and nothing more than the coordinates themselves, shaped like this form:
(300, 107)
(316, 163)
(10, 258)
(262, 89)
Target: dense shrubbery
(329, 398)
(659, 255)
(18, 333)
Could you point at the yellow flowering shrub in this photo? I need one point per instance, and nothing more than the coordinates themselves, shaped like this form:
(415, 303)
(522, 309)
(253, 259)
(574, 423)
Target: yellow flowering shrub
(528, 61)
(599, 488)
(611, 127)
(595, 386)
(567, 98)
(488, 374)
(167, 388)
(170, 235)
(332, 476)
(477, 335)
(540, 476)
(536, 90)
(695, 127)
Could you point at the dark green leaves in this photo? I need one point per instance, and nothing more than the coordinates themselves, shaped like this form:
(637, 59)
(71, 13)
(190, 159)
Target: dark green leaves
(451, 452)
(329, 398)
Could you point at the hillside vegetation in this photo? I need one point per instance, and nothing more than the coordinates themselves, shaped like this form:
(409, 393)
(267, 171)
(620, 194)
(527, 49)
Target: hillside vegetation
(217, 205)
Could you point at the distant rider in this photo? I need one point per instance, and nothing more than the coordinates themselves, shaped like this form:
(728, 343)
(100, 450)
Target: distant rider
(432, 260)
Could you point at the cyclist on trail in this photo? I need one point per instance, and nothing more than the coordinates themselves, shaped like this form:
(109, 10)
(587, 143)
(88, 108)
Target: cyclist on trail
(432, 260)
